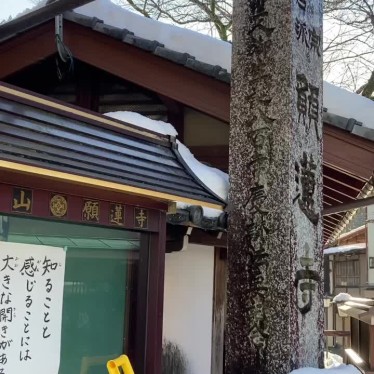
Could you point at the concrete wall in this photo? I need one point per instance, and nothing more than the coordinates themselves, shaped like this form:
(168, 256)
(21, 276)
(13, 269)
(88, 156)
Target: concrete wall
(188, 304)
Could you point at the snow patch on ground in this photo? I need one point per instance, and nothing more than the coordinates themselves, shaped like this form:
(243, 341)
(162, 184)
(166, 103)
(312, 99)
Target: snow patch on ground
(215, 179)
(341, 369)
(203, 47)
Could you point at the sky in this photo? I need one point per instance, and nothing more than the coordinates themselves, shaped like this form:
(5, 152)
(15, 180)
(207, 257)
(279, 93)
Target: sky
(13, 7)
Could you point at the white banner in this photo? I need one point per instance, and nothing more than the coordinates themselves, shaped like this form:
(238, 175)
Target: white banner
(31, 294)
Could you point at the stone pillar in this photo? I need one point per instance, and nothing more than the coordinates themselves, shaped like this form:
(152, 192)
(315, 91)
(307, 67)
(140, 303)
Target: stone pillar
(275, 291)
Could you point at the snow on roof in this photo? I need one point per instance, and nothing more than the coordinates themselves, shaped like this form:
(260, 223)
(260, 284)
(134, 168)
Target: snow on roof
(207, 49)
(137, 119)
(341, 369)
(344, 249)
(215, 179)
(203, 47)
(348, 104)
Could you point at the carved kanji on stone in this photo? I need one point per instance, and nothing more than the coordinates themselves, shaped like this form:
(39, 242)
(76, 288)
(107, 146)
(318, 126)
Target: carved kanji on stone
(302, 32)
(315, 41)
(302, 4)
(307, 103)
(306, 177)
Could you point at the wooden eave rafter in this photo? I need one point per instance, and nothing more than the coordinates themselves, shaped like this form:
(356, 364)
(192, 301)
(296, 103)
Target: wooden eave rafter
(338, 190)
(351, 154)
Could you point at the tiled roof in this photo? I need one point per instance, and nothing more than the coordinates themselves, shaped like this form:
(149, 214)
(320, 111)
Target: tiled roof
(61, 138)
(190, 62)
(151, 46)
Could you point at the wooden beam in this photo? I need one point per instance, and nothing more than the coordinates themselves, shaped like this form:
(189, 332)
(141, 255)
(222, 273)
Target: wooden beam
(219, 309)
(350, 153)
(27, 49)
(332, 218)
(348, 206)
(330, 197)
(336, 333)
(343, 179)
(338, 189)
(147, 70)
(325, 225)
(330, 222)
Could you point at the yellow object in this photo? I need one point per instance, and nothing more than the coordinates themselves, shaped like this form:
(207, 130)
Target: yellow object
(122, 362)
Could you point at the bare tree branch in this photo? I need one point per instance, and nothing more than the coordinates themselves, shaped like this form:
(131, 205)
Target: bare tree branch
(348, 38)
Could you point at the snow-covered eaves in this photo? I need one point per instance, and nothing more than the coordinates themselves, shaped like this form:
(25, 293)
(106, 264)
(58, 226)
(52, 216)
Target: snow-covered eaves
(94, 146)
(345, 249)
(211, 179)
(150, 45)
(209, 56)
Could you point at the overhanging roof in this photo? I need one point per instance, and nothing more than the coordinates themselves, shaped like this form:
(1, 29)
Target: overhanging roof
(45, 137)
(345, 249)
(348, 146)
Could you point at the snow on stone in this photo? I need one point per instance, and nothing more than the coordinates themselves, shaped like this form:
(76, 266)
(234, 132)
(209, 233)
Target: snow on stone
(215, 179)
(344, 248)
(203, 47)
(342, 297)
(341, 369)
(347, 104)
(216, 52)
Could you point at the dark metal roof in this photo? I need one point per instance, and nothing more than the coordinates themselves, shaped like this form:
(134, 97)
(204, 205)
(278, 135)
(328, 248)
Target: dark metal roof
(30, 134)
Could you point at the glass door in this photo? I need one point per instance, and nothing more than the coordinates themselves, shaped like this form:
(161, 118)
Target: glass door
(101, 290)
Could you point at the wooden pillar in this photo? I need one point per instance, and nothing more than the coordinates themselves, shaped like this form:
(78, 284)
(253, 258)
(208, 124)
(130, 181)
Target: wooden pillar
(275, 282)
(88, 82)
(371, 347)
(219, 310)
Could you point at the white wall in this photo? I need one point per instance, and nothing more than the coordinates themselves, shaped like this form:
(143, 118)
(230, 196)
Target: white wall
(188, 304)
